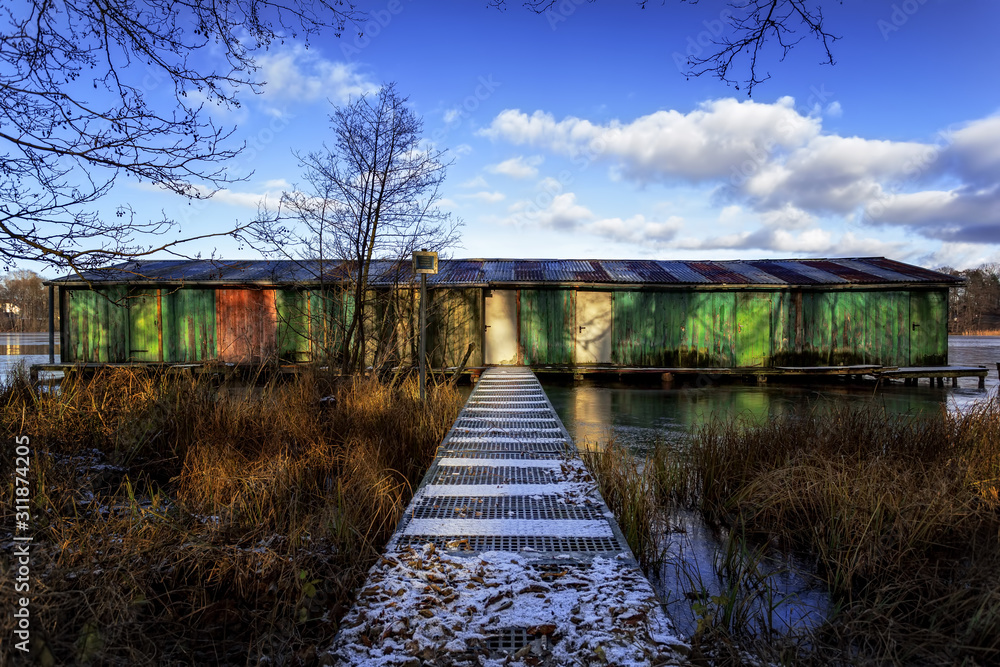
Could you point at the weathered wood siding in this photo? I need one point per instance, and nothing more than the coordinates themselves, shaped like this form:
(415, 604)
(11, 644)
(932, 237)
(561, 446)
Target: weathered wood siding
(454, 319)
(652, 328)
(145, 333)
(294, 336)
(189, 325)
(97, 326)
(247, 325)
(928, 328)
(548, 322)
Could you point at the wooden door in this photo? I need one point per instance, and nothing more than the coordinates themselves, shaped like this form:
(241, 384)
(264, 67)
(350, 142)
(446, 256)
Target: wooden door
(753, 329)
(501, 328)
(593, 327)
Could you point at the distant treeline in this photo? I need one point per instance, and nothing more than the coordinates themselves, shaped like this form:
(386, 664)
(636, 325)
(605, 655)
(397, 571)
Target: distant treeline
(24, 302)
(975, 307)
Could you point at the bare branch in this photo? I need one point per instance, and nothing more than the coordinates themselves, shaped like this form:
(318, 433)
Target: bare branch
(83, 85)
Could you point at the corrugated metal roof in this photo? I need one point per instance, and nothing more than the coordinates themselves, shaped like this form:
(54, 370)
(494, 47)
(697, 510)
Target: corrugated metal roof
(754, 275)
(914, 272)
(716, 273)
(784, 273)
(683, 273)
(885, 274)
(818, 275)
(864, 271)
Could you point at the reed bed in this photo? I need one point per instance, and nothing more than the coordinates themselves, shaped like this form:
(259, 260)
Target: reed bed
(177, 521)
(900, 515)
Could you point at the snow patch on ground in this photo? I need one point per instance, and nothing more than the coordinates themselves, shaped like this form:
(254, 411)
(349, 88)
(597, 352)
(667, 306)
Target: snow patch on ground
(424, 605)
(509, 527)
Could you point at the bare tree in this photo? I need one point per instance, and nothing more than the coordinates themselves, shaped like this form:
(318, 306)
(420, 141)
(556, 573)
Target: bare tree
(23, 302)
(94, 92)
(752, 24)
(372, 195)
(975, 305)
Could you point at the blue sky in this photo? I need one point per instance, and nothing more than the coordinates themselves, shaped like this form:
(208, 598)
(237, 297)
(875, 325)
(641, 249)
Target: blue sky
(575, 135)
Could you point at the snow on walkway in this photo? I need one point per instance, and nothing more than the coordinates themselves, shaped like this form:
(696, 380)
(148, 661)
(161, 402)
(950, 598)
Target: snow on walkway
(507, 555)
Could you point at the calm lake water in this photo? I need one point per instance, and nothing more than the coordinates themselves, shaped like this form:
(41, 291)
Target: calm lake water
(24, 348)
(639, 416)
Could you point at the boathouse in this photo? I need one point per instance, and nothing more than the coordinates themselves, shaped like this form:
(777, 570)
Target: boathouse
(542, 313)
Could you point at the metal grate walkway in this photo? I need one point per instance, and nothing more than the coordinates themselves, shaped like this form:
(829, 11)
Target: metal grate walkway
(507, 554)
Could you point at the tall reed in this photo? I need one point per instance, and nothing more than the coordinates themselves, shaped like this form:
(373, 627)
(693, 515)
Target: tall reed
(900, 514)
(179, 521)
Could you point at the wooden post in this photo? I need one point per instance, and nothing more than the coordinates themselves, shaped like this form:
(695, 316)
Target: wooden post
(423, 334)
(52, 325)
(954, 381)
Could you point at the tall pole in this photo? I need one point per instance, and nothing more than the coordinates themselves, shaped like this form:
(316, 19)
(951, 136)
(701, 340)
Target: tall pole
(52, 324)
(423, 334)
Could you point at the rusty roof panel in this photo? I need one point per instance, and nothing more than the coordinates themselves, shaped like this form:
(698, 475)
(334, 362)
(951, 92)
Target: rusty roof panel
(498, 270)
(753, 275)
(884, 274)
(682, 272)
(848, 273)
(716, 273)
(624, 271)
(459, 271)
(592, 272)
(785, 274)
(917, 273)
(820, 276)
(651, 272)
(864, 271)
(529, 271)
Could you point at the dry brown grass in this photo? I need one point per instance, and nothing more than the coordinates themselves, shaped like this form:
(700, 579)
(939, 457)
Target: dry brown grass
(978, 332)
(179, 522)
(900, 513)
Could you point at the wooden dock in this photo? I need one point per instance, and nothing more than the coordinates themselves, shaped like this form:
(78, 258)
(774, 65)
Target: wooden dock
(935, 373)
(507, 554)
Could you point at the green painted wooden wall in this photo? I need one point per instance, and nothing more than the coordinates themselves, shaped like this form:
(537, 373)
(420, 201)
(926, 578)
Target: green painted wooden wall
(675, 328)
(97, 325)
(189, 326)
(548, 320)
(928, 328)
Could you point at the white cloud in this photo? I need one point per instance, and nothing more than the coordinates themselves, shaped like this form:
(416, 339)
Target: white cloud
(703, 144)
(486, 196)
(636, 230)
(518, 167)
(787, 217)
(477, 182)
(297, 75)
(550, 211)
(815, 241)
(832, 173)
(975, 151)
(778, 163)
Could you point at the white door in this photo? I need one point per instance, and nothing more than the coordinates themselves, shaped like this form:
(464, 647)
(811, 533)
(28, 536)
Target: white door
(593, 327)
(501, 328)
